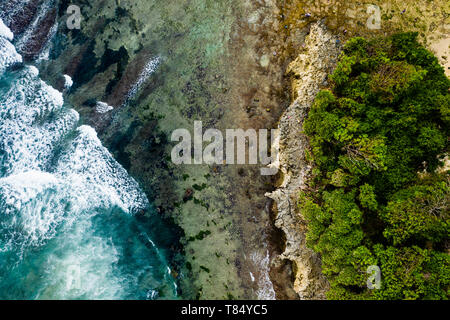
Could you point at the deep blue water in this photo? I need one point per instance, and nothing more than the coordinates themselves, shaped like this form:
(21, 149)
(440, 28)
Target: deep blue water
(73, 223)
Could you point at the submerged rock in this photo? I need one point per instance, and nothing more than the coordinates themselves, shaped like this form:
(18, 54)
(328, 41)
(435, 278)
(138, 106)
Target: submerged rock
(308, 72)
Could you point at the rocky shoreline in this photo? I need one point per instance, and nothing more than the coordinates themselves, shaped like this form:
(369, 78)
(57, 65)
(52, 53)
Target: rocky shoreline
(309, 74)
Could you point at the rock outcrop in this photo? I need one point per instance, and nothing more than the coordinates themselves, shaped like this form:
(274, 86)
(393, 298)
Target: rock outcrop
(309, 74)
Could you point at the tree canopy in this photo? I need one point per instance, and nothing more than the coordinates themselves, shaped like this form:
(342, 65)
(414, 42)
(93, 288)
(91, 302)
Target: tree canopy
(378, 194)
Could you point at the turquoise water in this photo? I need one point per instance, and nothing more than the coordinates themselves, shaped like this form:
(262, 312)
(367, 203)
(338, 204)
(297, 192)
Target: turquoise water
(73, 223)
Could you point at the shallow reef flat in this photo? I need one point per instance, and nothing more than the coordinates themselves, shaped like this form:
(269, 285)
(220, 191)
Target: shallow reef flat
(212, 65)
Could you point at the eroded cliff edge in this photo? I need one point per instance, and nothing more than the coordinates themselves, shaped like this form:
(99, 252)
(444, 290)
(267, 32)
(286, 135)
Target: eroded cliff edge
(309, 73)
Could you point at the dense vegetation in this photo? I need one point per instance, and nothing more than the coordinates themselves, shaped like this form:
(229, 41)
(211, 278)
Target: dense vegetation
(378, 194)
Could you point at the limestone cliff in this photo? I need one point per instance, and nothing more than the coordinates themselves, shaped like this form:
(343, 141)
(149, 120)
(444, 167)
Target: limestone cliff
(309, 74)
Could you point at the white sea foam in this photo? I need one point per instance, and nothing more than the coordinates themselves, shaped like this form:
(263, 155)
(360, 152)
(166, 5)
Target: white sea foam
(68, 82)
(88, 163)
(30, 203)
(32, 122)
(14, 7)
(45, 53)
(8, 55)
(148, 70)
(5, 32)
(265, 286)
(102, 107)
(85, 270)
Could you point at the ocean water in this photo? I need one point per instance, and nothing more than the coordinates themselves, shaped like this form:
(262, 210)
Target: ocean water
(73, 223)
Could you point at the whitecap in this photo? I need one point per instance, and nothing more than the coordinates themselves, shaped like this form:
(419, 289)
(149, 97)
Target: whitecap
(102, 107)
(8, 55)
(148, 70)
(5, 32)
(68, 82)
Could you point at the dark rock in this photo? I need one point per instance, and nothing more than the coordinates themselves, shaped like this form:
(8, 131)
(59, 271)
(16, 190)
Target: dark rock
(188, 194)
(40, 36)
